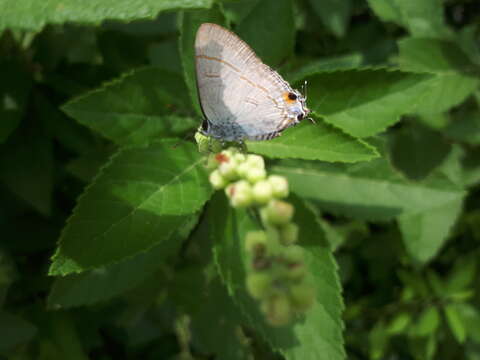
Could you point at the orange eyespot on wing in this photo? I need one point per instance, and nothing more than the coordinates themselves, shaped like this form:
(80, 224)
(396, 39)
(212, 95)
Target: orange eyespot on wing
(289, 97)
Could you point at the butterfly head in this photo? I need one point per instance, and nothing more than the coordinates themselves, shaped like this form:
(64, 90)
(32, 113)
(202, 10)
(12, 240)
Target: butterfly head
(296, 106)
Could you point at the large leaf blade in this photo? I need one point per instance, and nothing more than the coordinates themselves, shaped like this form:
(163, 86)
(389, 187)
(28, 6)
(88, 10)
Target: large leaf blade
(319, 141)
(138, 200)
(318, 334)
(33, 15)
(140, 106)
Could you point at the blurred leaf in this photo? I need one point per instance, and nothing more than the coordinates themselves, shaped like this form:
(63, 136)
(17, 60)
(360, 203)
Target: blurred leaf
(85, 167)
(269, 30)
(421, 18)
(60, 338)
(378, 340)
(27, 155)
(399, 323)
(436, 284)
(336, 63)
(334, 14)
(425, 233)
(434, 56)
(470, 316)
(463, 274)
(165, 55)
(236, 11)
(14, 90)
(417, 151)
(465, 127)
(59, 12)
(323, 320)
(14, 330)
(454, 73)
(369, 190)
(318, 141)
(139, 199)
(188, 23)
(427, 323)
(106, 282)
(137, 108)
(455, 323)
(366, 102)
(207, 329)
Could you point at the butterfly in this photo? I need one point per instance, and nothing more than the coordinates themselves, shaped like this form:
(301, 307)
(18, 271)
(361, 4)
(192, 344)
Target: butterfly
(241, 98)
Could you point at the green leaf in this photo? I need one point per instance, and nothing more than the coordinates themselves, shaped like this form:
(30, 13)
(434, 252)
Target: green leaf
(457, 326)
(378, 340)
(269, 29)
(141, 106)
(14, 330)
(318, 334)
(318, 141)
(434, 56)
(334, 63)
(425, 233)
(453, 72)
(139, 199)
(370, 190)
(399, 323)
(366, 102)
(427, 323)
(33, 15)
(188, 23)
(470, 316)
(463, 274)
(236, 11)
(421, 18)
(334, 14)
(465, 126)
(27, 155)
(14, 90)
(416, 151)
(106, 282)
(207, 329)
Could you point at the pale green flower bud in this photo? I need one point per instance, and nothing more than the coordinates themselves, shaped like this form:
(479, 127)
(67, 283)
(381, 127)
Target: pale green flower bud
(259, 285)
(296, 272)
(256, 161)
(262, 192)
(217, 180)
(239, 158)
(279, 185)
(278, 310)
(240, 193)
(255, 174)
(293, 254)
(255, 240)
(277, 212)
(289, 234)
(228, 170)
(303, 296)
(243, 169)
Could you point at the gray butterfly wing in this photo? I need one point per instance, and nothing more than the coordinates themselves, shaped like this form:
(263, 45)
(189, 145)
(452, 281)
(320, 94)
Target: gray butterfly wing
(240, 96)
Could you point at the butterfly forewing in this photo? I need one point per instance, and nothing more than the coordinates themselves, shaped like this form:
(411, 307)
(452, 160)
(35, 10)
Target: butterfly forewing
(240, 96)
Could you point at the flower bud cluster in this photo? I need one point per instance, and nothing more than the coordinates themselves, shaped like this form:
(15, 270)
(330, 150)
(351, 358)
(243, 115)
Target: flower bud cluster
(244, 179)
(277, 274)
(277, 277)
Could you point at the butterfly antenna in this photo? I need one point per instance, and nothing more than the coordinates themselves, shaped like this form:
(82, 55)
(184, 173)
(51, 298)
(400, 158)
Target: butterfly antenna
(305, 89)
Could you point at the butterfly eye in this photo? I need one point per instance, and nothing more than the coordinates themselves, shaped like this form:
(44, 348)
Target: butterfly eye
(205, 125)
(292, 96)
(300, 116)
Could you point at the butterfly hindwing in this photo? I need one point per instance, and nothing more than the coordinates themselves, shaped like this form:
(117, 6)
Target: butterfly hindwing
(240, 96)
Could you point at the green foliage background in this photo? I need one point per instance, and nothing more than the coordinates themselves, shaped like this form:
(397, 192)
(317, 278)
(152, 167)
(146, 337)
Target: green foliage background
(112, 243)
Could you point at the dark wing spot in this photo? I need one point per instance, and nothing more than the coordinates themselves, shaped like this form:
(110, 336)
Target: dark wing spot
(292, 96)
